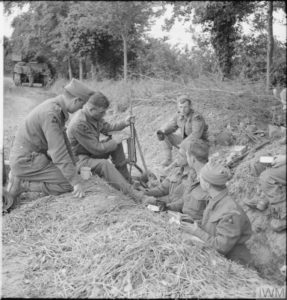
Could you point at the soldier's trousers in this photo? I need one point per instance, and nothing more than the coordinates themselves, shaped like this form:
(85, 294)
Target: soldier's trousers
(115, 172)
(273, 183)
(41, 172)
(172, 140)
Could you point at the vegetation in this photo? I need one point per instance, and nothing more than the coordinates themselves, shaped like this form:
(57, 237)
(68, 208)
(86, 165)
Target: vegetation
(108, 40)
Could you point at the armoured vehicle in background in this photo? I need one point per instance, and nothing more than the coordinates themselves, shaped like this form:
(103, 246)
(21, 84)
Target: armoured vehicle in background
(32, 72)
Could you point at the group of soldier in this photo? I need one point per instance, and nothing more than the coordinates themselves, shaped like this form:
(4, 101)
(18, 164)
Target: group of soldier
(46, 158)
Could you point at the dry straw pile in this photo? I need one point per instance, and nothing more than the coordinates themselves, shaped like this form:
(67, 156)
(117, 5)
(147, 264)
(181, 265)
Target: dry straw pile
(106, 246)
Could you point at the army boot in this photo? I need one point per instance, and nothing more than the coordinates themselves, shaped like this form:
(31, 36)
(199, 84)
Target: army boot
(15, 187)
(278, 222)
(257, 203)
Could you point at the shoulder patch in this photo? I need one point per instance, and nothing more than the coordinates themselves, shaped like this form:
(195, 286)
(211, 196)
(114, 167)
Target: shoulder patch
(54, 119)
(198, 117)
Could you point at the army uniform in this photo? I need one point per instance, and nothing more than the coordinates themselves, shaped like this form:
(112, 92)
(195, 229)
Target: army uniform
(172, 188)
(193, 202)
(84, 135)
(40, 155)
(180, 127)
(226, 227)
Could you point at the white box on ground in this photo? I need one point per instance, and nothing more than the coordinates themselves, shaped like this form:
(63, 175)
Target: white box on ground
(266, 159)
(153, 207)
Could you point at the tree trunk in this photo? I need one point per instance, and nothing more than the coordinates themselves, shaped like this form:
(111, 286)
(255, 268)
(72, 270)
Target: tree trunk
(270, 46)
(125, 58)
(81, 69)
(70, 69)
(93, 71)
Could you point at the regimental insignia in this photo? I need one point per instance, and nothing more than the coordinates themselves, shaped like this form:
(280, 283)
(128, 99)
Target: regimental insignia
(54, 120)
(198, 117)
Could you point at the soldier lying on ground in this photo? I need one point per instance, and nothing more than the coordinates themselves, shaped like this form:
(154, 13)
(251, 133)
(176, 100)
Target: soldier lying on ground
(40, 158)
(194, 199)
(224, 225)
(272, 181)
(187, 122)
(84, 134)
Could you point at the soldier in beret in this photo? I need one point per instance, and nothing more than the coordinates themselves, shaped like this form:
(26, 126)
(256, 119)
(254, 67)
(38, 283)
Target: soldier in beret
(224, 226)
(185, 123)
(40, 158)
(84, 134)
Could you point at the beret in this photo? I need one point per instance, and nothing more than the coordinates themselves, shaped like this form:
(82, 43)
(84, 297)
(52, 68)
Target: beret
(78, 89)
(215, 174)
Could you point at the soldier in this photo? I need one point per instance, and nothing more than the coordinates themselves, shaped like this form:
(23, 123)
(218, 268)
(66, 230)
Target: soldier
(272, 180)
(40, 157)
(84, 134)
(187, 122)
(224, 226)
(194, 200)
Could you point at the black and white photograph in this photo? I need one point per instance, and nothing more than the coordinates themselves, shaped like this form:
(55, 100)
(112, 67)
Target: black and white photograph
(143, 148)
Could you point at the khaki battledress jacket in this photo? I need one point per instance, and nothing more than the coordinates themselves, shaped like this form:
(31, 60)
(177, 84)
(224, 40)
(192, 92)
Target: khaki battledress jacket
(39, 151)
(193, 124)
(193, 202)
(84, 135)
(226, 227)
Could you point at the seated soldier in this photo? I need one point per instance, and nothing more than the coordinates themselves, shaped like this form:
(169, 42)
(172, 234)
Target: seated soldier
(224, 225)
(194, 199)
(84, 134)
(187, 122)
(273, 184)
(173, 186)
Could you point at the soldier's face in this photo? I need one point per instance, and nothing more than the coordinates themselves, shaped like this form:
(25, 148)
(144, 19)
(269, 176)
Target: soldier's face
(96, 112)
(203, 184)
(184, 108)
(190, 159)
(78, 103)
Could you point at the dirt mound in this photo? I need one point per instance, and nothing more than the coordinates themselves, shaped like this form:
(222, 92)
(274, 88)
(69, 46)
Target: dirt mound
(106, 246)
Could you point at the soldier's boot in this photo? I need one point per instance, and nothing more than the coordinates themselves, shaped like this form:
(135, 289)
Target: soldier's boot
(259, 204)
(167, 155)
(15, 187)
(278, 222)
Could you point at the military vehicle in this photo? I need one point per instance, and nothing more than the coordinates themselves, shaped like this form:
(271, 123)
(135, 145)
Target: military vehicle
(32, 72)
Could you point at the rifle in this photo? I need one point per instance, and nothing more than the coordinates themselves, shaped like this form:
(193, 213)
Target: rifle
(236, 160)
(132, 142)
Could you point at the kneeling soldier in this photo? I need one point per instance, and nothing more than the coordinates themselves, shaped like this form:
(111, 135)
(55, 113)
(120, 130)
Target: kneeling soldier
(41, 160)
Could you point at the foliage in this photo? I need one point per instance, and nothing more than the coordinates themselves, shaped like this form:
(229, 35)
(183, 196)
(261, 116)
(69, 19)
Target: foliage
(250, 58)
(220, 18)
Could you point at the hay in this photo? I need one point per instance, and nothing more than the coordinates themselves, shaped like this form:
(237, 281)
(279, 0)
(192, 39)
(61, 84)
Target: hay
(114, 248)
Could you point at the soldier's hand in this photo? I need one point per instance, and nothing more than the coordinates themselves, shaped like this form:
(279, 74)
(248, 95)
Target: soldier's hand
(279, 160)
(119, 139)
(78, 191)
(188, 227)
(162, 205)
(160, 135)
(129, 119)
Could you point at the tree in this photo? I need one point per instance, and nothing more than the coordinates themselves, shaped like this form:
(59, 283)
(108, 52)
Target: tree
(270, 46)
(121, 19)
